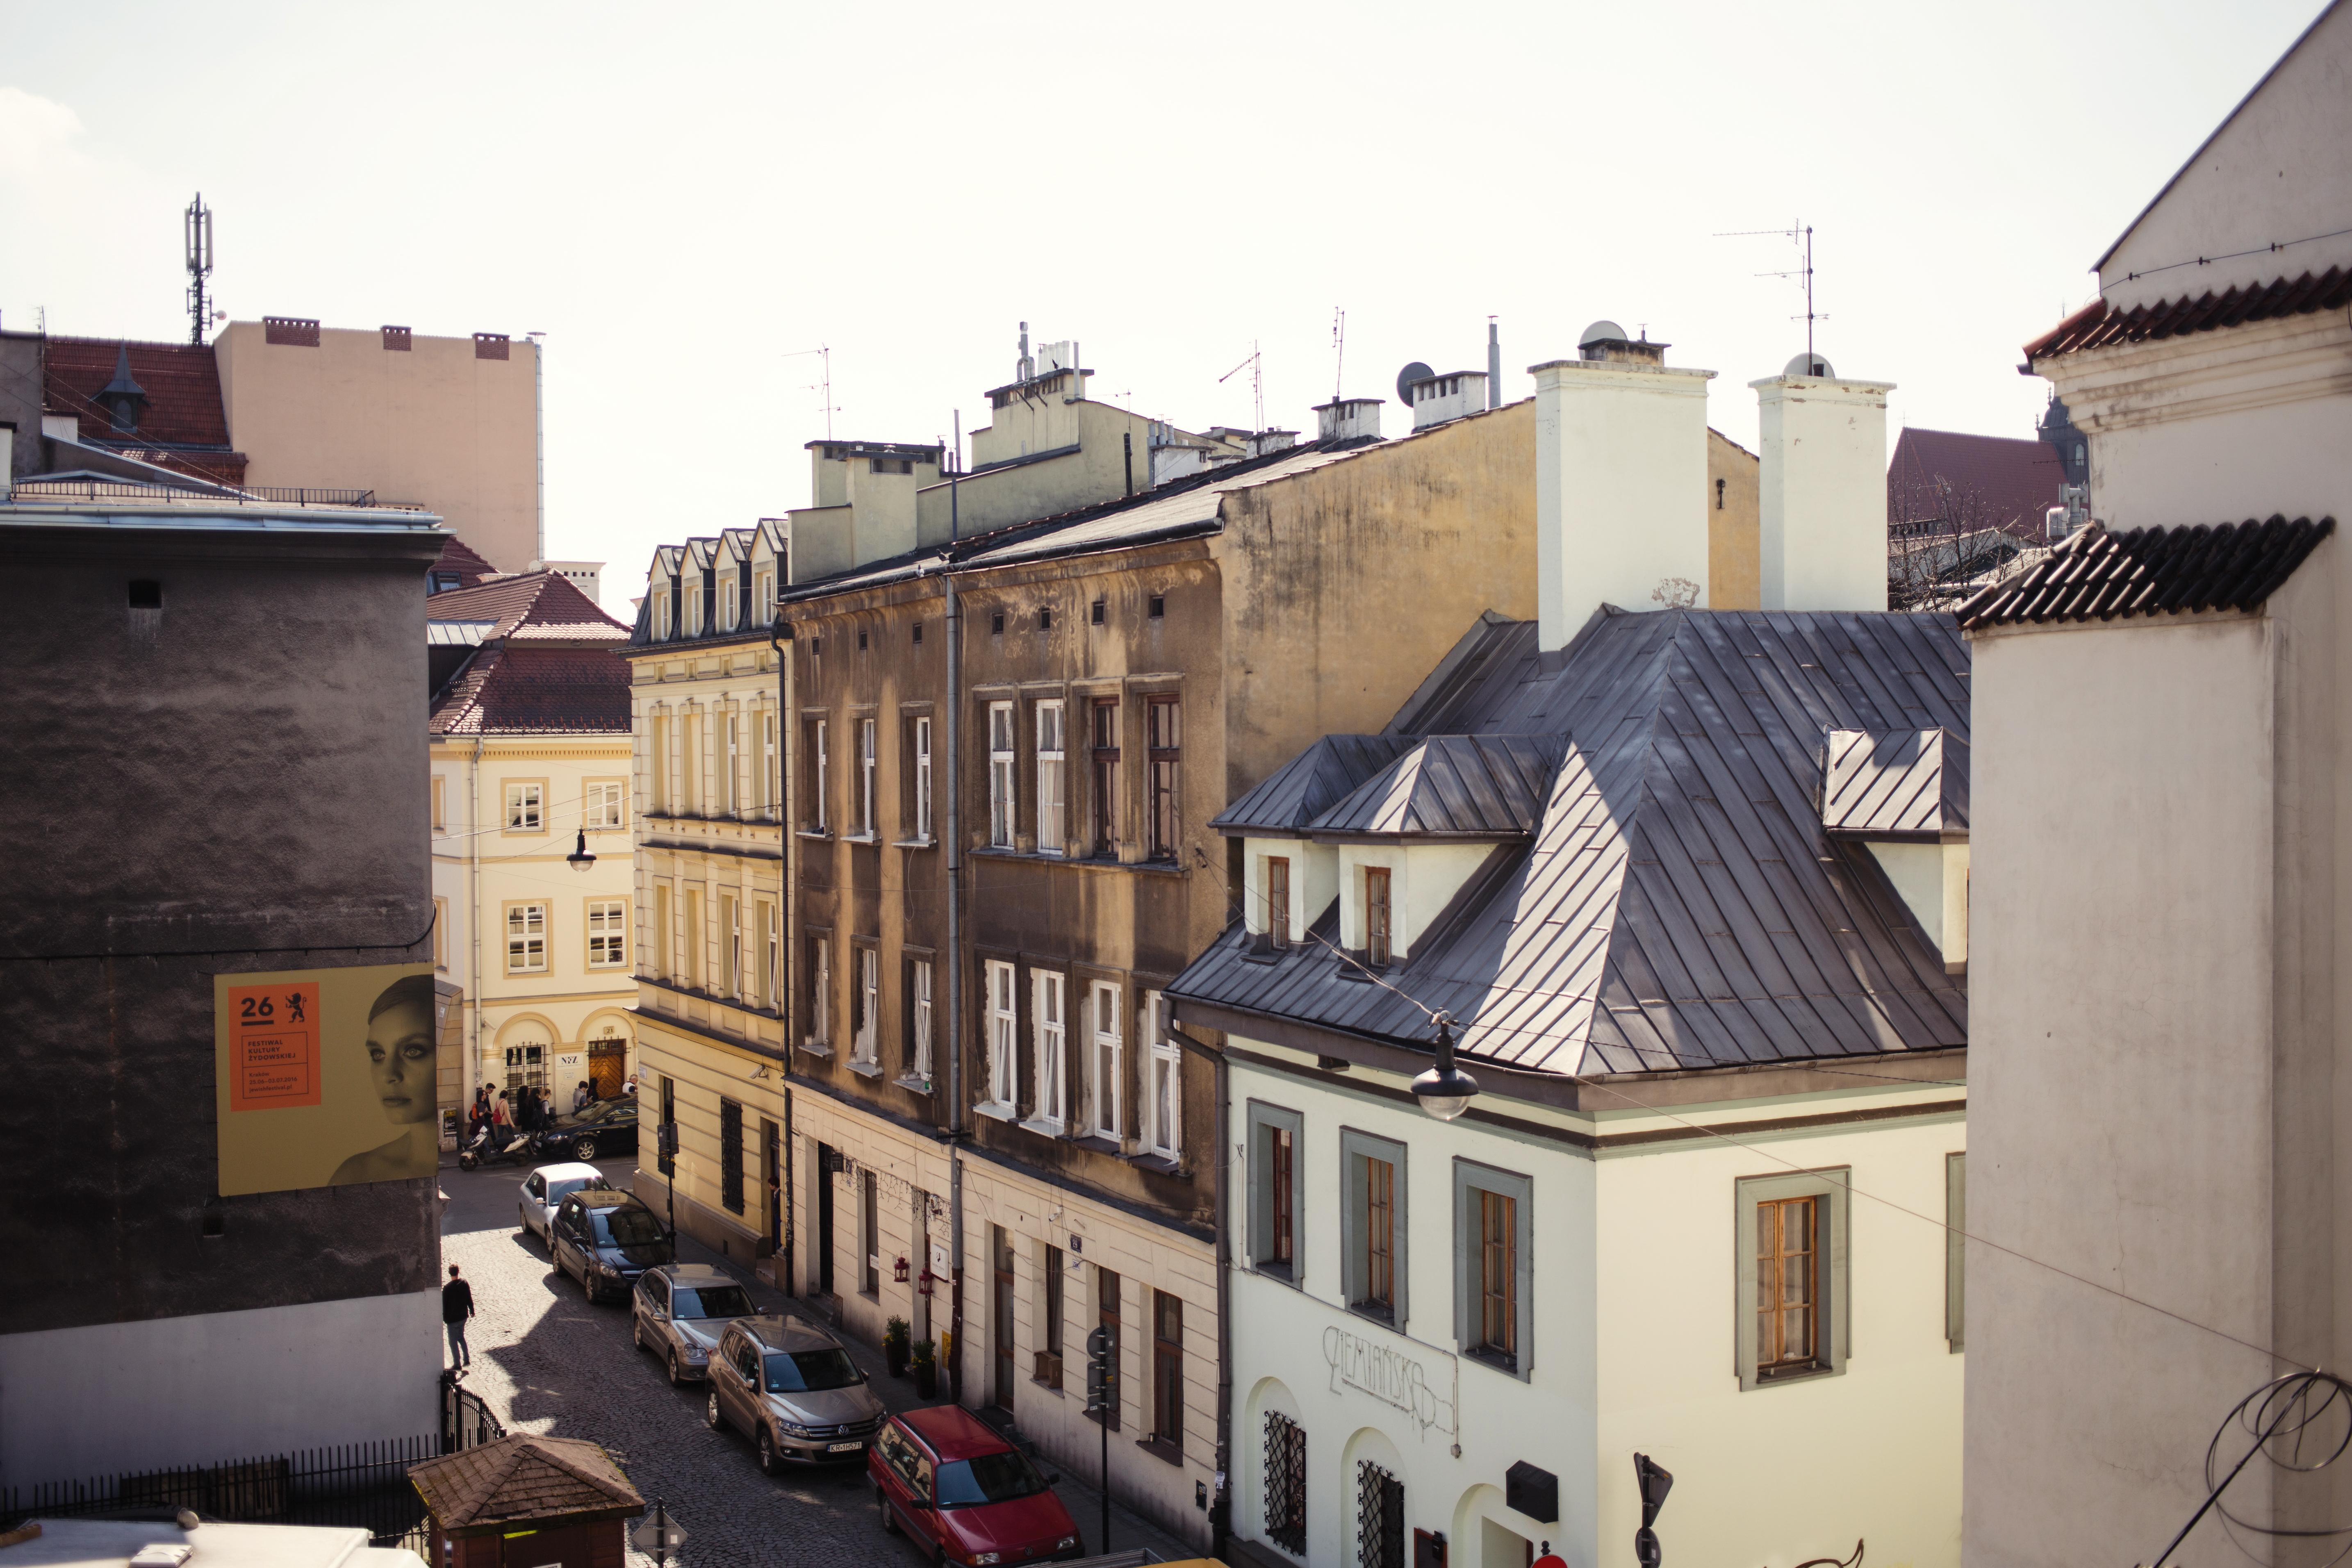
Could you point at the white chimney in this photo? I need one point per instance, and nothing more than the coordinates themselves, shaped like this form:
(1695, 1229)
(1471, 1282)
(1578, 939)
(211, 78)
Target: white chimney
(1439, 398)
(1348, 419)
(1621, 486)
(1822, 525)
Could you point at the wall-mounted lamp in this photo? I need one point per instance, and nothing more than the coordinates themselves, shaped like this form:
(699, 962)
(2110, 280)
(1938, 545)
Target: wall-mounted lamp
(579, 859)
(1445, 1091)
(899, 1271)
(924, 1281)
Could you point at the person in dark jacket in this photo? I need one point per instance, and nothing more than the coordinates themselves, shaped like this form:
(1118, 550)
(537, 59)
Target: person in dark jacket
(456, 1305)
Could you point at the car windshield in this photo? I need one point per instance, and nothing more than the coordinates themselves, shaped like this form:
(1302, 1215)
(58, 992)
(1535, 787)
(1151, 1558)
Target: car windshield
(712, 1302)
(604, 1111)
(990, 1478)
(627, 1226)
(809, 1372)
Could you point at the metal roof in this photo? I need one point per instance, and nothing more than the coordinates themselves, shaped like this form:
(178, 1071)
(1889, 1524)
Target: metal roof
(1452, 787)
(1308, 785)
(1681, 904)
(1896, 784)
(2101, 575)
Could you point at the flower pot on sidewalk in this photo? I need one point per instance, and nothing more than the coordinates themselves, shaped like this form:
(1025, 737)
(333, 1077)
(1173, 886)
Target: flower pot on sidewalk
(894, 1346)
(927, 1370)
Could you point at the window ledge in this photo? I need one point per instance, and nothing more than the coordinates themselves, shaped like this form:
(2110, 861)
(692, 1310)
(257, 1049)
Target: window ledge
(816, 1047)
(1280, 1273)
(1081, 862)
(1162, 1449)
(914, 1085)
(861, 838)
(811, 833)
(865, 1068)
(914, 844)
(1386, 1318)
(994, 1111)
(1146, 1160)
(1493, 1361)
(1044, 1129)
(1096, 1417)
(1096, 1141)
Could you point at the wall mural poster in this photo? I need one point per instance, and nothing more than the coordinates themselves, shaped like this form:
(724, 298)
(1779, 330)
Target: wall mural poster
(325, 1077)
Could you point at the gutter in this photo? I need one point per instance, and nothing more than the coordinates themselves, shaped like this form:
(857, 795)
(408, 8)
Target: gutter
(787, 896)
(1220, 1508)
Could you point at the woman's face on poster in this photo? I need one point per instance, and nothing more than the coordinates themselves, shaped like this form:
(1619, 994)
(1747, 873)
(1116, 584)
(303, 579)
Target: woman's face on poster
(400, 1062)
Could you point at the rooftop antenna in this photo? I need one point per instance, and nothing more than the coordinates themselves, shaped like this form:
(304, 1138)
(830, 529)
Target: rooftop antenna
(1800, 235)
(824, 386)
(1257, 382)
(197, 222)
(1338, 348)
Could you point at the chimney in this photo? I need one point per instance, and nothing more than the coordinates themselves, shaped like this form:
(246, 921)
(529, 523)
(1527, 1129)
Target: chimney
(1494, 366)
(1621, 484)
(1821, 502)
(1438, 398)
(1348, 419)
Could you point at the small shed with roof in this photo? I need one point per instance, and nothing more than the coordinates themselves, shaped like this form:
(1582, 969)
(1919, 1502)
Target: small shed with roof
(527, 1501)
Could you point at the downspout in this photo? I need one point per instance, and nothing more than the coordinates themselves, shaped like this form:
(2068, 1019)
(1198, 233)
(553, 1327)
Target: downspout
(1219, 1508)
(955, 833)
(474, 893)
(788, 895)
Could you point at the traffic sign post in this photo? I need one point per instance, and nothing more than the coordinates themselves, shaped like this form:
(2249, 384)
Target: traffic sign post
(1102, 1404)
(659, 1533)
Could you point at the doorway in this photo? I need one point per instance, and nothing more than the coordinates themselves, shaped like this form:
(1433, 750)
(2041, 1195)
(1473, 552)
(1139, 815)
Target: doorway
(827, 1162)
(772, 1182)
(1000, 1318)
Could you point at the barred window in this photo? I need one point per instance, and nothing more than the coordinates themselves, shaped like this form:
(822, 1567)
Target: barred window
(730, 1155)
(1285, 1483)
(1380, 1518)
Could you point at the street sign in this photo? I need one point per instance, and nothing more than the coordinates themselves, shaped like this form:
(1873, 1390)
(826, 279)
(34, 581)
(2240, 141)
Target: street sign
(657, 1532)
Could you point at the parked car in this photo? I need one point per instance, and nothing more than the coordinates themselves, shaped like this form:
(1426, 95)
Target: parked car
(608, 1127)
(790, 1386)
(679, 1311)
(943, 1476)
(544, 1190)
(605, 1239)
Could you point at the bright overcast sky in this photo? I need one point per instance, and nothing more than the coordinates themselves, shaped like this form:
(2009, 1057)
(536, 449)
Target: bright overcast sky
(682, 197)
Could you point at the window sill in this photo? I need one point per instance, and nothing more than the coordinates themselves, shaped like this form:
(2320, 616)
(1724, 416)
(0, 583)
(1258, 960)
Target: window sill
(1502, 1362)
(816, 833)
(1384, 1316)
(816, 1047)
(861, 838)
(1044, 1129)
(995, 1112)
(1081, 862)
(865, 1068)
(1148, 1160)
(914, 1085)
(914, 844)
(1096, 1417)
(1802, 1373)
(1096, 1143)
(1162, 1449)
(1280, 1273)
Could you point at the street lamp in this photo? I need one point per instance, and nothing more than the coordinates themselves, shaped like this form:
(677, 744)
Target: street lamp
(579, 859)
(1445, 1091)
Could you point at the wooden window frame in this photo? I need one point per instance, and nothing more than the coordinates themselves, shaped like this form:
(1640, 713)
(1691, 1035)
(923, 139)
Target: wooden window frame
(613, 932)
(922, 1018)
(1163, 1134)
(814, 741)
(1474, 1183)
(1048, 722)
(921, 745)
(694, 971)
(657, 752)
(596, 795)
(1000, 1017)
(545, 936)
(1832, 1293)
(1049, 1035)
(1163, 819)
(1380, 916)
(770, 779)
(869, 762)
(1004, 765)
(731, 944)
(1167, 1369)
(771, 953)
(1105, 1060)
(661, 956)
(730, 1155)
(1103, 777)
(1273, 882)
(1376, 1237)
(440, 803)
(522, 806)
(1052, 1283)
(866, 1007)
(1277, 1198)
(818, 1038)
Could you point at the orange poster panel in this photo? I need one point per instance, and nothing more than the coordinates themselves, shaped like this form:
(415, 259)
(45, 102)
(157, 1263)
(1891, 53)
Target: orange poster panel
(273, 1032)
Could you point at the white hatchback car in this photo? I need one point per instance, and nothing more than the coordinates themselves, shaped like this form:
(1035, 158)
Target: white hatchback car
(544, 1190)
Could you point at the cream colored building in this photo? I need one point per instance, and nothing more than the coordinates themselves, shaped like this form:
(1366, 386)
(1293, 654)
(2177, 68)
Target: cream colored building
(451, 423)
(531, 760)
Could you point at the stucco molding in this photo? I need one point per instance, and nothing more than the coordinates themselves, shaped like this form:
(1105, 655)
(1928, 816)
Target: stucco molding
(2200, 375)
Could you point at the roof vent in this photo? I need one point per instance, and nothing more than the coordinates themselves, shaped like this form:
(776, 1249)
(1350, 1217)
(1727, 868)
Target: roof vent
(1600, 332)
(1606, 340)
(123, 398)
(1808, 364)
(292, 331)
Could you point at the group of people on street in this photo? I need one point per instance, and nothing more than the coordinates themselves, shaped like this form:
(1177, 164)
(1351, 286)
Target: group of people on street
(530, 1110)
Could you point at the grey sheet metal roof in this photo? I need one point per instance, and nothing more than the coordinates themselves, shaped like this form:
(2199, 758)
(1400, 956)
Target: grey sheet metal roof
(1308, 785)
(1452, 786)
(1899, 784)
(1681, 904)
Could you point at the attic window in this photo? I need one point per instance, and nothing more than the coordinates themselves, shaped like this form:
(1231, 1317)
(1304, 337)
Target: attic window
(918, 631)
(1097, 614)
(146, 593)
(1045, 620)
(816, 646)
(996, 623)
(1158, 606)
(861, 642)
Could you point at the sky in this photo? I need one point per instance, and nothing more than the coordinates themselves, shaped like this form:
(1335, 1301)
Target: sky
(687, 200)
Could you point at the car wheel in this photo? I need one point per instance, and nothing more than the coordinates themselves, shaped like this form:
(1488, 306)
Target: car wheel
(636, 1330)
(584, 1151)
(889, 1518)
(677, 1374)
(769, 1463)
(711, 1417)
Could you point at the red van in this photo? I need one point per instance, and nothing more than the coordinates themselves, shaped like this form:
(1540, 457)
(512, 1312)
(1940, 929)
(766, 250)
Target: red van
(971, 1498)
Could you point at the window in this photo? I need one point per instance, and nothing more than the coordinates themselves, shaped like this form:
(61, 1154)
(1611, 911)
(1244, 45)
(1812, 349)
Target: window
(1372, 1189)
(1274, 1191)
(867, 1004)
(996, 623)
(1158, 606)
(1095, 613)
(1956, 1246)
(668, 1163)
(1000, 774)
(1164, 1091)
(1049, 778)
(1103, 838)
(1106, 1288)
(1493, 1267)
(812, 817)
(1163, 741)
(662, 937)
(730, 1156)
(1168, 1369)
(865, 763)
(659, 765)
(601, 806)
(440, 933)
(922, 750)
(731, 803)
(526, 939)
(771, 956)
(693, 731)
(918, 1019)
(769, 776)
(1049, 1354)
(1104, 1072)
(1285, 1483)
(819, 994)
(661, 613)
(607, 932)
(1376, 916)
(764, 590)
(693, 614)
(1380, 1518)
(1792, 1292)
(691, 970)
(1278, 902)
(1002, 1035)
(1045, 620)
(526, 807)
(870, 1234)
(1053, 1031)
(440, 803)
(731, 947)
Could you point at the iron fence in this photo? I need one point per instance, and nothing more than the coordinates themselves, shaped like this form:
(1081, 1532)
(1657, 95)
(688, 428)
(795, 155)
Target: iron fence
(465, 1417)
(359, 1486)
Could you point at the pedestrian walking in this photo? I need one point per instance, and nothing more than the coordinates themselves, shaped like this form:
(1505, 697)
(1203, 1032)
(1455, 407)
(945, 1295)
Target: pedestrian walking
(456, 1305)
(502, 1123)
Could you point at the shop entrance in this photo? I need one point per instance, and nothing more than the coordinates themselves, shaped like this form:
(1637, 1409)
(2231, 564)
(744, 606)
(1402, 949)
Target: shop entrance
(608, 1065)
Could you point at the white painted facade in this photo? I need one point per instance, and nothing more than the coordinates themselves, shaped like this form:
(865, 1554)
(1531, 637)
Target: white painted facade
(1821, 497)
(1635, 1319)
(110, 1398)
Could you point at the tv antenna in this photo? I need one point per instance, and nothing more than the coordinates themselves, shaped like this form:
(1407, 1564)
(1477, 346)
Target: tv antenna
(197, 222)
(823, 386)
(1800, 235)
(1254, 365)
(1338, 348)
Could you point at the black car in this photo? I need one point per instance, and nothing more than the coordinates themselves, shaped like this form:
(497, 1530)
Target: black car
(605, 1239)
(607, 1127)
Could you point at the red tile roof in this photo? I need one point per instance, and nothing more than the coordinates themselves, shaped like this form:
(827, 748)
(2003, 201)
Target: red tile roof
(470, 567)
(2097, 325)
(2151, 570)
(507, 690)
(1974, 481)
(527, 599)
(183, 406)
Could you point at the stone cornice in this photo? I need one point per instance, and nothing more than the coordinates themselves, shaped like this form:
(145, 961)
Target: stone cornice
(2198, 375)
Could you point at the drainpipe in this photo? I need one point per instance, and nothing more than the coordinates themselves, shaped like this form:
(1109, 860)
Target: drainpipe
(953, 828)
(1219, 1508)
(474, 895)
(787, 898)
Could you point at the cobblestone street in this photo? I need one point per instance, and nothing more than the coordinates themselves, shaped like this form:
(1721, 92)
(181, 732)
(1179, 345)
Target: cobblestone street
(548, 1361)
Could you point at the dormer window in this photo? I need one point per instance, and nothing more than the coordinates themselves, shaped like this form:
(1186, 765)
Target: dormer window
(1376, 916)
(1278, 902)
(661, 616)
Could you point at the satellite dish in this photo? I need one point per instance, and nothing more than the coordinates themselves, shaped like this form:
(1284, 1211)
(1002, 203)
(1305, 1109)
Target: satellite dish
(1808, 364)
(1414, 372)
(1604, 328)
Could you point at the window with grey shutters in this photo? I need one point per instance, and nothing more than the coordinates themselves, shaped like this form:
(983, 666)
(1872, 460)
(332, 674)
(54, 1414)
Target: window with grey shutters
(1276, 1193)
(1493, 1268)
(1791, 1297)
(1372, 1191)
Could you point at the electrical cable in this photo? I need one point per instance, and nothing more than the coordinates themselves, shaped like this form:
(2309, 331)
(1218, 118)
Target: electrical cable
(2274, 246)
(2281, 1409)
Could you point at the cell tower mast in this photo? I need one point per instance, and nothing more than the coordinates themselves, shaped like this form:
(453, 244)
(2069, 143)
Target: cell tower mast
(199, 226)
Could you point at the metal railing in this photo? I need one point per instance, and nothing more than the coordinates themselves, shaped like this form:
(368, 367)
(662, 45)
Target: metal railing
(224, 495)
(359, 1486)
(465, 1417)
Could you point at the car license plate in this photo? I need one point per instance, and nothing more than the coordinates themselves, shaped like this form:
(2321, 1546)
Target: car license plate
(843, 1447)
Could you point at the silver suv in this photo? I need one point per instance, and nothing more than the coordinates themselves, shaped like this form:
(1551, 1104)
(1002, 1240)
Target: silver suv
(794, 1389)
(679, 1311)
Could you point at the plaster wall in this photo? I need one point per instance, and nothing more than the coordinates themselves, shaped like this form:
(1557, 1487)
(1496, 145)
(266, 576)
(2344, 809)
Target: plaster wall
(1621, 465)
(1933, 882)
(211, 1388)
(1022, 492)
(435, 426)
(1822, 511)
(1314, 882)
(2123, 1078)
(21, 382)
(1731, 524)
(1422, 879)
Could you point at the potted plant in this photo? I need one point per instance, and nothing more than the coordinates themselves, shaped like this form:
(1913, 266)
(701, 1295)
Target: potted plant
(894, 1346)
(927, 1369)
